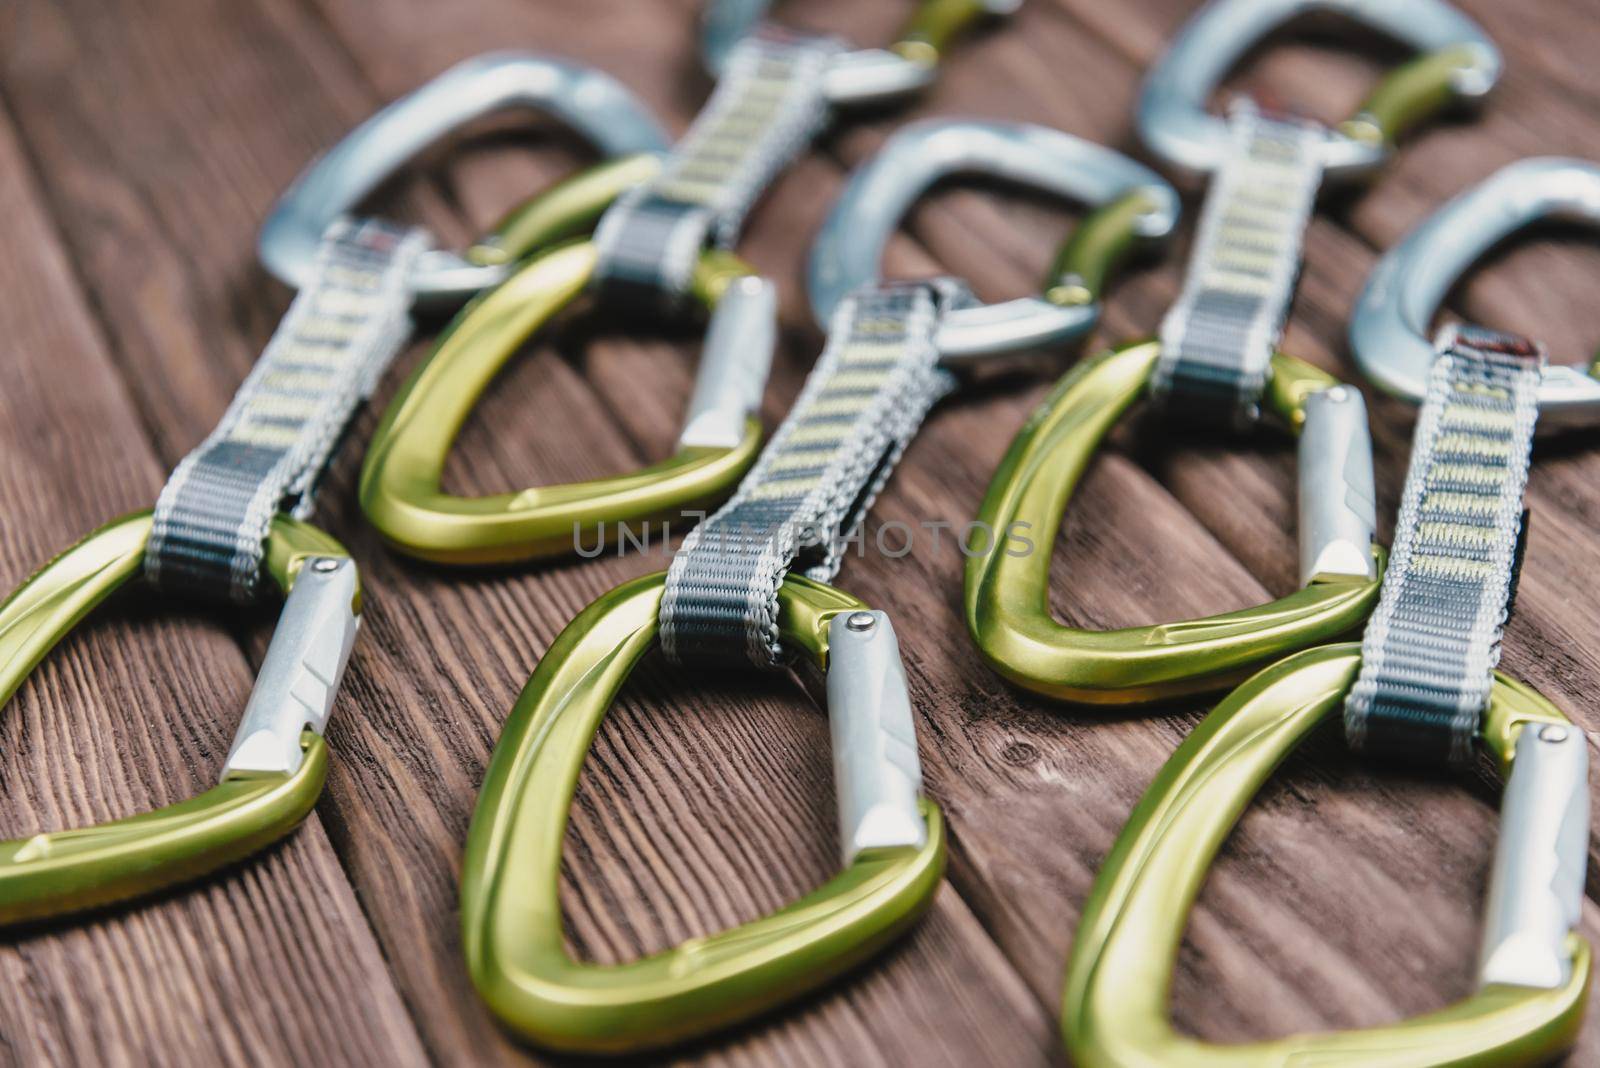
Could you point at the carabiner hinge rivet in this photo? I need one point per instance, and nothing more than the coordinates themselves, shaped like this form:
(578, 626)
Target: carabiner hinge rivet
(861, 622)
(1070, 291)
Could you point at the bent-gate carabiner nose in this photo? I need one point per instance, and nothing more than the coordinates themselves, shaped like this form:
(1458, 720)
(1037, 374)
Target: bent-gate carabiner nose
(893, 844)
(593, 104)
(1534, 969)
(1132, 203)
(401, 479)
(1007, 582)
(275, 768)
(1391, 326)
(1458, 61)
(866, 75)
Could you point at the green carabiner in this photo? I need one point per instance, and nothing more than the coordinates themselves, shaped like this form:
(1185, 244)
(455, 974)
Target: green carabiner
(1007, 589)
(1119, 977)
(275, 770)
(510, 907)
(935, 25)
(401, 477)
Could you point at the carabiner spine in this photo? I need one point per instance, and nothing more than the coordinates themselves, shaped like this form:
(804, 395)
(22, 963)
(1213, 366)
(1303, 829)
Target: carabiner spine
(57, 597)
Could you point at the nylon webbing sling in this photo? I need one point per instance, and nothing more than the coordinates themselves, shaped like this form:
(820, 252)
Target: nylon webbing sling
(1217, 339)
(1432, 644)
(279, 432)
(869, 392)
(766, 107)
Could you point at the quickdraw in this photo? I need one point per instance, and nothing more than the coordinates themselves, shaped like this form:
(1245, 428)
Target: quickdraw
(1216, 359)
(1421, 685)
(218, 529)
(231, 515)
(660, 245)
(749, 585)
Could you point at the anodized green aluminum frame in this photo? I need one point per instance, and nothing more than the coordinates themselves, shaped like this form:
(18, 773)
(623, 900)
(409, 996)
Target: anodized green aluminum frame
(60, 872)
(566, 210)
(1119, 977)
(401, 490)
(1411, 94)
(933, 28)
(510, 906)
(1007, 590)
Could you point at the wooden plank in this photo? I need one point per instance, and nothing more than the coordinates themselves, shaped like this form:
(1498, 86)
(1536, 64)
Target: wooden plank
(1019, 76)
(407, 764)
(273, 955)
(1285, 935)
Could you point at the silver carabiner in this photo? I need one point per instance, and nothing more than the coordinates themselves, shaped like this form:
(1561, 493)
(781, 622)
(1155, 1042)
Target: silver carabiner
(593, 104)
(862, 76)
(1173, 119)
(849, 247)
(1390, 327)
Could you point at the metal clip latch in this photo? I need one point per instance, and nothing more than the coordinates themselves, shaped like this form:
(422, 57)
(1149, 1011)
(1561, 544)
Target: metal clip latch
(300, 676)
(1536, 888)
(876, 771)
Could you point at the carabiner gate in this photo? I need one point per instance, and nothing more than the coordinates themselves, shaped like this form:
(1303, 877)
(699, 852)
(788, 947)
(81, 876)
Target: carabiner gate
(866, 75)
(1534, 969)
(1458, 62)
(1391, 324)
(893, 844)
(593, 104)
(275, 769)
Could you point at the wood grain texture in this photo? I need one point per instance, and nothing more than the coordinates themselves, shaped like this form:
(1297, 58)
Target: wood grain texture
(140, 144)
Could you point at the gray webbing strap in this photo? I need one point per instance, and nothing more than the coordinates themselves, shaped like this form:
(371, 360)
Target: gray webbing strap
(1432, 644)
(814, 482)
(766, 107)
(279, 432)
(1217, 340)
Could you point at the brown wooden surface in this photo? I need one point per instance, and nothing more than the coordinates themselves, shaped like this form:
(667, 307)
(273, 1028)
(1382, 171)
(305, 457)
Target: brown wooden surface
(141, 141)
